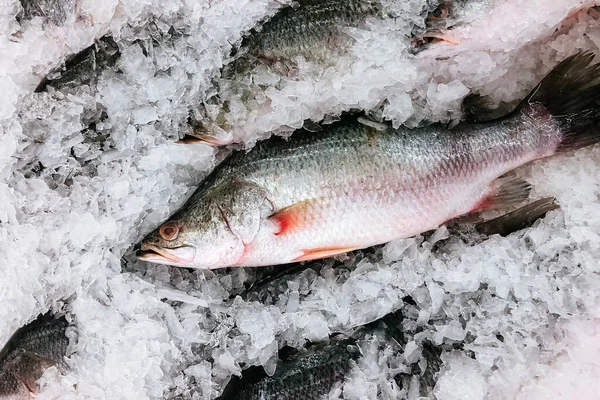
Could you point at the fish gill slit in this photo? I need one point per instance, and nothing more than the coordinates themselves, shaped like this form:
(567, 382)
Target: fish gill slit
(224, 218)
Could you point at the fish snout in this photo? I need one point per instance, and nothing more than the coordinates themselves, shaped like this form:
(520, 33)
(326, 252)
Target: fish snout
(178, 256)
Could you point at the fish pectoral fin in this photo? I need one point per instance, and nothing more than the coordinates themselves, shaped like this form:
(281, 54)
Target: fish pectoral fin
(323, 252)
(36, 365)
(381, 127)
(506, 191)
(295, 217)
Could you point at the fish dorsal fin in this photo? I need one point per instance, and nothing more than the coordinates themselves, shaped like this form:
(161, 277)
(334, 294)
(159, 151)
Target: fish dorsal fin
(373, 124)
(504, 192)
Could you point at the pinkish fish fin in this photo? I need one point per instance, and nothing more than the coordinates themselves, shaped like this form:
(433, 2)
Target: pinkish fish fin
(30, 384)
(323, 252)
(204, 139)
(33, 367)
(295, 217)
(504, 192)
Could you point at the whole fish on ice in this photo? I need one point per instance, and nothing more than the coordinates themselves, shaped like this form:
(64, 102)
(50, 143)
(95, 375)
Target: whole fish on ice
(29, 352)
(353, 185)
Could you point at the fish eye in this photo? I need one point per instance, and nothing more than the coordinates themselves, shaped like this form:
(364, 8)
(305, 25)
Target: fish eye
(169, 231)
(439, 13)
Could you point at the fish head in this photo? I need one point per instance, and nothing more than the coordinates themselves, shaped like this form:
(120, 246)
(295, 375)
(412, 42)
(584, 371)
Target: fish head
(210, 231)
(446, 17)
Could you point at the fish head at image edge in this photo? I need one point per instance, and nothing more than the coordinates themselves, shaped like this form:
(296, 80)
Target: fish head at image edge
(209, 231)
(446, 16)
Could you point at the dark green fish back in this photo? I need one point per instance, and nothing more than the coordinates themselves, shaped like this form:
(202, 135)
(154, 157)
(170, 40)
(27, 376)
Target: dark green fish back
(32, 348)
(83, 68)
(310, 28)
(308, 377)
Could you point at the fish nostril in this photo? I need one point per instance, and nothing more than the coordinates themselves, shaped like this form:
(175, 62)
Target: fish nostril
(169, 231)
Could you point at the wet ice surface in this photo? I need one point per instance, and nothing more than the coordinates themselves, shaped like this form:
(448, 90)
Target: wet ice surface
(84, 176)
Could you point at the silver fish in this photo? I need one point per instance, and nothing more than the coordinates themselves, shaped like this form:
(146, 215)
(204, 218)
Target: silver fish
(355, 185)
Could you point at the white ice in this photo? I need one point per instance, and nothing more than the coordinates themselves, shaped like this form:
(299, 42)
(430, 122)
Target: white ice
(526, 306)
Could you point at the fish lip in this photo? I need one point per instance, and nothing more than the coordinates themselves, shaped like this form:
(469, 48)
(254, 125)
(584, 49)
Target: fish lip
(152, 253)
(442, 35)
(432, 37)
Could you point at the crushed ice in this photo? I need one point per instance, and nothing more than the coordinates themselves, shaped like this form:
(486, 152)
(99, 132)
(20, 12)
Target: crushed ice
(73, 201)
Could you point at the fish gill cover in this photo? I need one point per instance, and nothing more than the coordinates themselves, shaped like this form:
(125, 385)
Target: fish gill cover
(86, 173)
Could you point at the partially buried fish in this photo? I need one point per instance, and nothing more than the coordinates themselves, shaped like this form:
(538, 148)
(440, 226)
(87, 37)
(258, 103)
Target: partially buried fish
(311, 374)
(83, 68)
(353, 185)
(317, 30)
(298, 377)
(29, 352)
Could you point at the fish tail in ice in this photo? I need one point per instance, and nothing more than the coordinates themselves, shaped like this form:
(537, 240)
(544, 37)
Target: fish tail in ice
(570, 94)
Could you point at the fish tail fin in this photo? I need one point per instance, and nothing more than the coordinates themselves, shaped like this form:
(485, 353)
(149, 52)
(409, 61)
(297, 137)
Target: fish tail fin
(571, 94)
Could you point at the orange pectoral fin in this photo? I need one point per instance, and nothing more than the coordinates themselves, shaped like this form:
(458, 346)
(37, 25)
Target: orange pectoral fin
(295, 217)
(324, 252)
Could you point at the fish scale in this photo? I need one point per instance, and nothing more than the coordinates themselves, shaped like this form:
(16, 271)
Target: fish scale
(32, 349)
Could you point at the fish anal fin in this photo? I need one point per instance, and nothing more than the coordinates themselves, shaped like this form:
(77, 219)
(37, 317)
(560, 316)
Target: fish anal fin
(519, 219)
(295, 217)
(504, 192)
(323, 252)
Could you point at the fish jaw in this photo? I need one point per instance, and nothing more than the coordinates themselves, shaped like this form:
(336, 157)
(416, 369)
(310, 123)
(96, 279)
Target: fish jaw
(179, 257)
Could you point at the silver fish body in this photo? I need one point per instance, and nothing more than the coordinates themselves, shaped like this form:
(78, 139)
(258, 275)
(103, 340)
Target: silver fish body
(32, 349)
(353, 186)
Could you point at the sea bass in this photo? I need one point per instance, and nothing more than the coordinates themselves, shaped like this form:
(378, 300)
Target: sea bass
(309, 28)
(298, 376)
(449, 15)
(31, 350)
(354, 185)
(312, 373)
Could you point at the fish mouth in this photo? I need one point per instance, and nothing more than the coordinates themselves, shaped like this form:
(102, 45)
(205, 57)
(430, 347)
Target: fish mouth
(177, 256)
(437, 35)
(434, 36)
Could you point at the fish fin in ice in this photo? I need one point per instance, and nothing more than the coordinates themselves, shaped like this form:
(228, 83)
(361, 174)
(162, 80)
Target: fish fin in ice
(294, 217)
(516, 220)
(571, 94)
(504, 192)
(478, 108)
(323, 252)
(205, 138)
(381, 127)
(311, 126)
